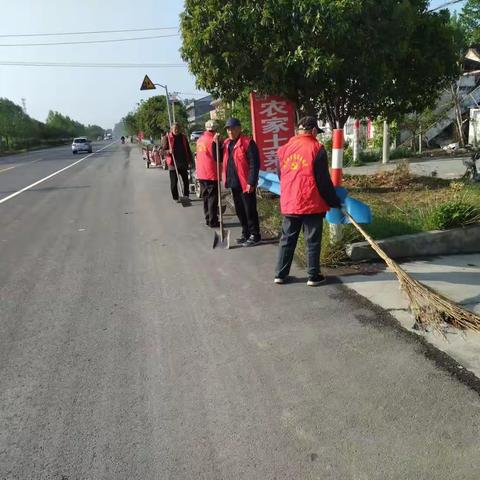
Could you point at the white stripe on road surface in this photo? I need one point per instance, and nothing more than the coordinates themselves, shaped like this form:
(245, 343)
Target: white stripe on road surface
(13, 195)
(20, 165)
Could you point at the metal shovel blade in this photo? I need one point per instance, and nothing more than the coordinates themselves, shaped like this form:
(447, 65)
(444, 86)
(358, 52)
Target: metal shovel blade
(221, 239)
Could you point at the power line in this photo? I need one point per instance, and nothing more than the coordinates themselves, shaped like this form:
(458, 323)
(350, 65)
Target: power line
(85, 33)
(93, 65)
(86, 41)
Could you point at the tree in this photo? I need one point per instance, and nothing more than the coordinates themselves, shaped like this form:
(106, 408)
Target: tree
(469, 19)
(130, 123)
(62, 126)
(152, 118)
(361, 58)
(94, 131)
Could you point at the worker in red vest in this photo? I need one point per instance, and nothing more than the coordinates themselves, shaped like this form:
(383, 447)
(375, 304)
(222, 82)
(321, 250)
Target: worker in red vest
(241, 165)
(206, 171)
(175, 140)
(307, 193)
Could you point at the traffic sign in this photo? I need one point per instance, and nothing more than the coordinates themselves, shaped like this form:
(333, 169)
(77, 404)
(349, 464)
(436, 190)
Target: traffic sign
(147, 84)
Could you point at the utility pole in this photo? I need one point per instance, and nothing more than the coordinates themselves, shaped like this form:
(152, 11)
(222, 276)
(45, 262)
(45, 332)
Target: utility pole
(356, 140)
(386, 142)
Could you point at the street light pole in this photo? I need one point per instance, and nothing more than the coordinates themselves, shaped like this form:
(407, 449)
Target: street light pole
(168, 103)
(173, 107)
(149, 85)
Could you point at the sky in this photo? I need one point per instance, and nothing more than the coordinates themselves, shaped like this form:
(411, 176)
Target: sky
(91, 95)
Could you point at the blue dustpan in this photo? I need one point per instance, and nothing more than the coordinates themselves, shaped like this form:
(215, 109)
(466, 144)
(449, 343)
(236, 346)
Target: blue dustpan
(358, 210)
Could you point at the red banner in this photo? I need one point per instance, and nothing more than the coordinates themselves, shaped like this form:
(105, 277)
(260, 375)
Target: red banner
(273, 122)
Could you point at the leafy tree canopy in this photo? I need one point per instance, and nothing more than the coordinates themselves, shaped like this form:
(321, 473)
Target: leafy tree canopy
(151, 117)
(345, 57)
(469, 19)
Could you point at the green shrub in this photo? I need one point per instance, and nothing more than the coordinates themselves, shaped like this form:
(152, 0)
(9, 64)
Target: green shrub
(452, 214)
(401, 152)
(370, 156)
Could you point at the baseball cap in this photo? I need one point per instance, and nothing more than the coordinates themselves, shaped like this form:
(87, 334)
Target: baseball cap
(233, 122)
(308, 123)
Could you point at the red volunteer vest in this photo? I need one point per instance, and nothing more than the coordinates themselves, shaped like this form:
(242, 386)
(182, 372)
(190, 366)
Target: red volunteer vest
(171, 141)
(299, 192)
(239, 158)
(205, 165)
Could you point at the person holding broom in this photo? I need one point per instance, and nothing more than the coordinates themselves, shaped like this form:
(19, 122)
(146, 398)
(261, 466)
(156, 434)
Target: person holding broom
(176, 142)
(307, 193)
(206, 171)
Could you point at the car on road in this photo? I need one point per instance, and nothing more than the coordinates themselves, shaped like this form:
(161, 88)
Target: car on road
(81, 144)
(196, 135)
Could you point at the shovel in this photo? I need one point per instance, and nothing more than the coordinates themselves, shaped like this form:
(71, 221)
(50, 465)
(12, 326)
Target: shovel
(185, 201)
(222, 238)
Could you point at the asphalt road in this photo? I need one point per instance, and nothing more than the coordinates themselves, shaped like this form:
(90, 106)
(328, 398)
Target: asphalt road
(129, 349)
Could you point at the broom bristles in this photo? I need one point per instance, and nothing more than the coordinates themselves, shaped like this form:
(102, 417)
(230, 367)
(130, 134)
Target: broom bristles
(429, 307)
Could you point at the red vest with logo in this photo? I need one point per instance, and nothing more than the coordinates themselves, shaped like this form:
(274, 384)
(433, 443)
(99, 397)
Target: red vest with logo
(299, 192)
(240, 159)
(205, 165)
(171, 141)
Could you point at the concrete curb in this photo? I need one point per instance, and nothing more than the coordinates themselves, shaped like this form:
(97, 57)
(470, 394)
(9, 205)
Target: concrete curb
(438, 242)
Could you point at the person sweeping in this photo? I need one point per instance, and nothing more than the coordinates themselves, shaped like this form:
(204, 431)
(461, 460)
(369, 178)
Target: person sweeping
(307, 193)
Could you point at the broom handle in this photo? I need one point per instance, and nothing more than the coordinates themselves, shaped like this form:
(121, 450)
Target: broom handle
(175, 165)
(219, 183)
(393, 265)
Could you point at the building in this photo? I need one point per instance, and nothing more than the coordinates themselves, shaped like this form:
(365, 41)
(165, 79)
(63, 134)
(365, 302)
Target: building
(198, 110)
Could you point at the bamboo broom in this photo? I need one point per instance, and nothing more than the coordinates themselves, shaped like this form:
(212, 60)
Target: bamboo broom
(429, 307)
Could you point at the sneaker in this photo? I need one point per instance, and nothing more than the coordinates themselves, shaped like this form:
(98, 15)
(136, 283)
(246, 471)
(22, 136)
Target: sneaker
(280, 280)
(252, 241)
(316, 280)
(241, 240)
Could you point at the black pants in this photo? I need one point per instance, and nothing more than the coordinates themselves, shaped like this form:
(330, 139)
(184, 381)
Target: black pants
(312, 231)
(210, 201)
(246, 210)
(174, 183)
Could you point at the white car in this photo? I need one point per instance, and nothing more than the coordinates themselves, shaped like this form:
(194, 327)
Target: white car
(196, 135)
(81, 144)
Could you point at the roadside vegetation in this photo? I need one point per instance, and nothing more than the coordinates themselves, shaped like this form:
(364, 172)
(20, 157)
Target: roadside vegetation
(19, 131)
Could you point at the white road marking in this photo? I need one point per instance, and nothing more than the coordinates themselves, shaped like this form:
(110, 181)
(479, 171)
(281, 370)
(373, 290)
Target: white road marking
(20, 165)
(13, 195)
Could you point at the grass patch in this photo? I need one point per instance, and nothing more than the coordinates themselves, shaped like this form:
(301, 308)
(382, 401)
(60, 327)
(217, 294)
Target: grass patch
(403, 203)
